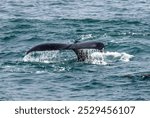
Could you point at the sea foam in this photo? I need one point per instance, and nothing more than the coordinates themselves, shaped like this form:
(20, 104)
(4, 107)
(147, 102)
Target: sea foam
(94, 57)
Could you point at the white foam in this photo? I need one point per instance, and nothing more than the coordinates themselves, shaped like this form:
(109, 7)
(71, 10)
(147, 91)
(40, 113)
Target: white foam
(125, 57)
(114, 54)
(97, 58)
(103, 58)
(94, 57)
(86, 36)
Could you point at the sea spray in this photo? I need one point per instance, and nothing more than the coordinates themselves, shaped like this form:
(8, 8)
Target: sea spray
(104, 58)
(49, 56)
(93, 56)
(44, 57)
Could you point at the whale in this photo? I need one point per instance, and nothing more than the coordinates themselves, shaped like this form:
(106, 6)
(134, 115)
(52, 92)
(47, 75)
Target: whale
(76, 47)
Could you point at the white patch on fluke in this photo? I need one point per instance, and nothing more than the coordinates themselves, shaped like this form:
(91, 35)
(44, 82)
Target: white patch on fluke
(44, 57)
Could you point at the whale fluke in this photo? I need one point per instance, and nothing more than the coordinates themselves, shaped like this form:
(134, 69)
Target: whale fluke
(75, 47)
(48, 47)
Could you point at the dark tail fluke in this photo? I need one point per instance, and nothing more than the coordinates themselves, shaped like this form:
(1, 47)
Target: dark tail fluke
(75, 47)
(49, 47)
(88, 45)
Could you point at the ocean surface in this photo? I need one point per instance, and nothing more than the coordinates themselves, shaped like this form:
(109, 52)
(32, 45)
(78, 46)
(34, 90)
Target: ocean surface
(121, 72)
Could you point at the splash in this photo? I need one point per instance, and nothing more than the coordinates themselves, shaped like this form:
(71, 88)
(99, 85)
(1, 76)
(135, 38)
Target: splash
(44, 57)
(93, 56)
(86, 36)
(49, 56)
(125, 57)
(104, 58)
(97, 58)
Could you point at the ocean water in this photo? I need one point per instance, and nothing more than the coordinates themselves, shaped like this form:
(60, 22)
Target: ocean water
(121, 72)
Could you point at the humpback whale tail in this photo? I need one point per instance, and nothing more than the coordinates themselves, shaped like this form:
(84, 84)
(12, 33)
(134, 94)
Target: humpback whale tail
(75, 47)
(49, 47)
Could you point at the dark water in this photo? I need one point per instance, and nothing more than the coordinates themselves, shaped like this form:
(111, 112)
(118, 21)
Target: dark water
(122, 25)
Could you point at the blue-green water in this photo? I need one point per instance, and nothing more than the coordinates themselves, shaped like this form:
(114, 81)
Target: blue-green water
(122, 25)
